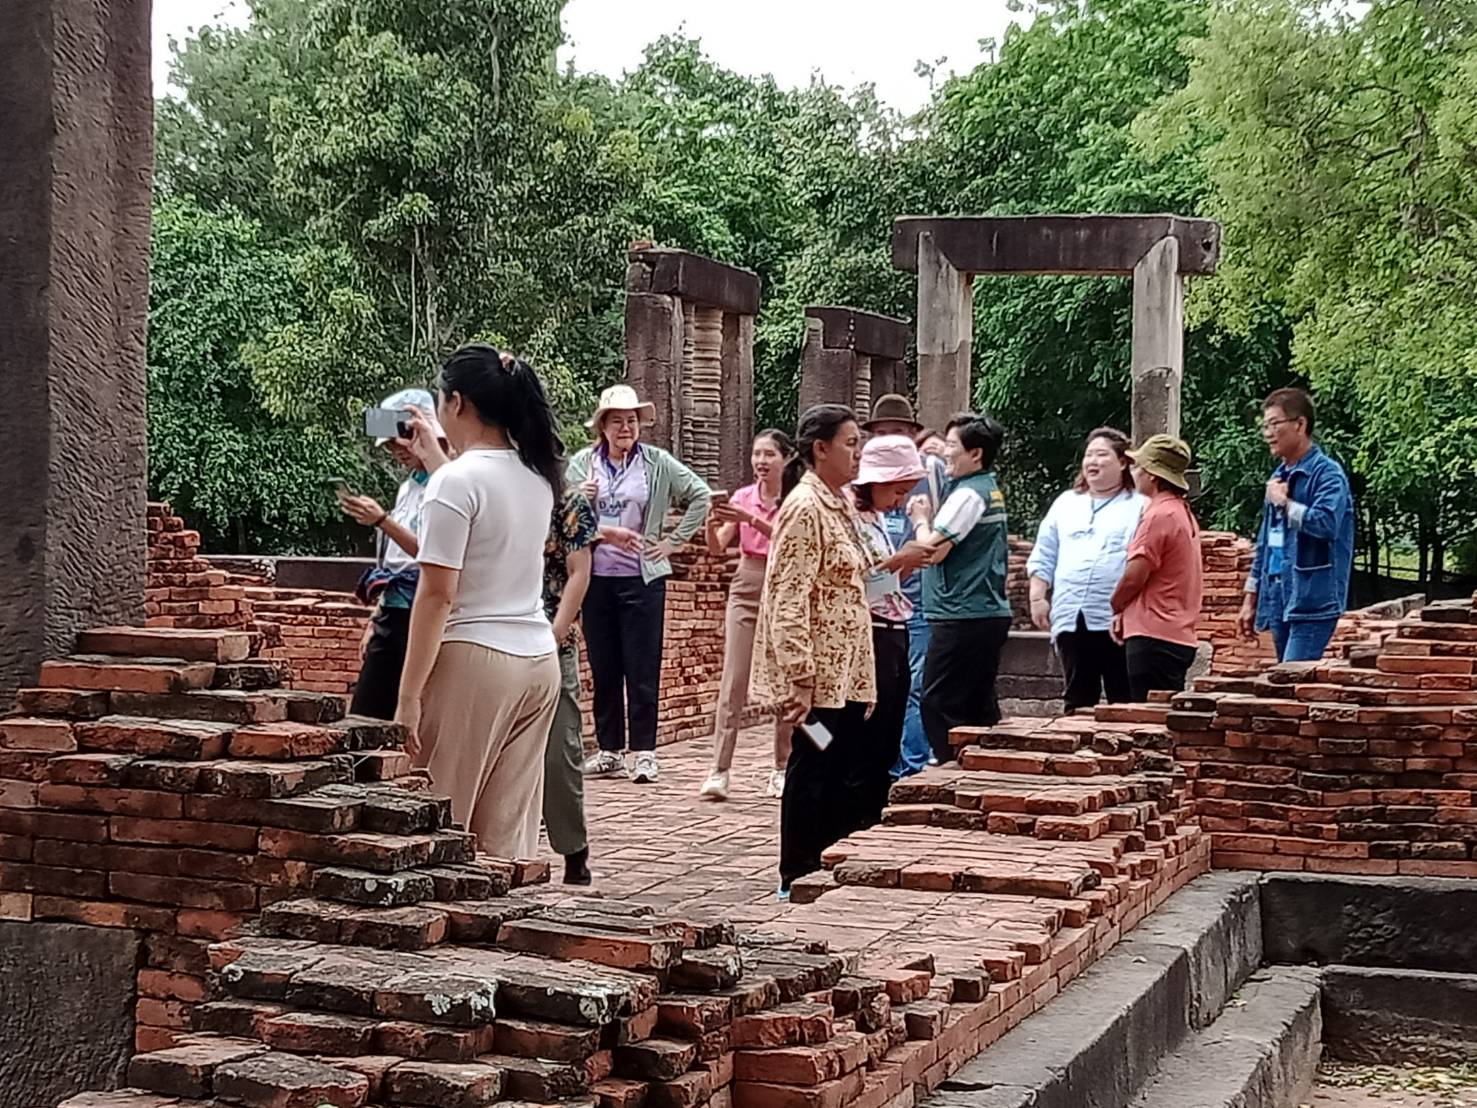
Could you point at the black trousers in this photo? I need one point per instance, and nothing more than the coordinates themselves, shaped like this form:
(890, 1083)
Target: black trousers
(817, 810)
(1154, 664)
(869, 775)
(377, 692)
(623, 620)
(959, 678)
(1093, 664)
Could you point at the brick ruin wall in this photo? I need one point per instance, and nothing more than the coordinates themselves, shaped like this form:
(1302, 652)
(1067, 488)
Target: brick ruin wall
(316, 633)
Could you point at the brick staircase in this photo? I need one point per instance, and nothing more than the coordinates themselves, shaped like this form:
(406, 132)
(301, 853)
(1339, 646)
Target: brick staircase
(1363, 764)
(318, 932)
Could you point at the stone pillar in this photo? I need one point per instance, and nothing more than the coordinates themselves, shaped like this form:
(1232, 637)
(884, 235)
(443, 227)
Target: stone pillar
(827, 376)
(690, 351)
(76, 110)
(852, 357)
(736, 419)
(654, 349)
(1158, 341)
(945, 335)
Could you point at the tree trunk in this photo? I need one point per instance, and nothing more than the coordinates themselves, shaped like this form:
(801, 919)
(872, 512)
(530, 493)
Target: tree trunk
(1372, 539)
(1423, 541)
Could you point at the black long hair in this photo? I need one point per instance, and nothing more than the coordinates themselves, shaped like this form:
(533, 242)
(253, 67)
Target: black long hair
(509, 396)
(781, 441)
(817, 424)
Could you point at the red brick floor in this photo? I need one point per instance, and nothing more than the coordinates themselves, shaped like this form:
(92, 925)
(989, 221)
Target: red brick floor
(659, 844)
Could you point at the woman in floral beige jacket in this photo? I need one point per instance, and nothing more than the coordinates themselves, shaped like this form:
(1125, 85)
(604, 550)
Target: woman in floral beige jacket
(813, 644)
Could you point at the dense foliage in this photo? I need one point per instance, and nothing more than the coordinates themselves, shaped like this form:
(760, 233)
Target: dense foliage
(347, 188)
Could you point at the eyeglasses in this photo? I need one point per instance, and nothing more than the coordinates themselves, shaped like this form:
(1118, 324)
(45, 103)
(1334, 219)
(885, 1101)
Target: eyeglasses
(1273, 424)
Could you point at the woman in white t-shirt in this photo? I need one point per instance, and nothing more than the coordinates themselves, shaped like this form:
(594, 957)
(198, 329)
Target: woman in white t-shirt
(481, 678)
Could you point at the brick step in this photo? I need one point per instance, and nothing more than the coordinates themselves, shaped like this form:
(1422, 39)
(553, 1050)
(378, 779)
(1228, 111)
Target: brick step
(110, 673)
(1041, 742)
(454, 986)
(254, 676)
(1421, 630)
(1083, 763)
(1449, 611)
(930, 858)
(1035, 794)
(1126, 819)
(142, 642)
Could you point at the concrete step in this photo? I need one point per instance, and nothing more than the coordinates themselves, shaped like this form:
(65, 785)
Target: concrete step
(1103, 1038)
(1400, 1016)
(1262, 1052)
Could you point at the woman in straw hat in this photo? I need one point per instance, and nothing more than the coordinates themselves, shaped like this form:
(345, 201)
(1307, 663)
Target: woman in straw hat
(633, 486)
(1157, 603)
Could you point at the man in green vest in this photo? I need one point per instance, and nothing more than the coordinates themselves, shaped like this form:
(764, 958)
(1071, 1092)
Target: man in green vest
(964, 588)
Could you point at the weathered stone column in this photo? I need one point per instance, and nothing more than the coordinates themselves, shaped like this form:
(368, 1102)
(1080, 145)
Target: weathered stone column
(690, 351)
(945, 334)
(852, 357)
(1158, 340)
(76, 110)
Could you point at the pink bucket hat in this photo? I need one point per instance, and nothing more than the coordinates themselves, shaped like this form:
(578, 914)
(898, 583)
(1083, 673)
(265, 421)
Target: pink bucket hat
(889, 458)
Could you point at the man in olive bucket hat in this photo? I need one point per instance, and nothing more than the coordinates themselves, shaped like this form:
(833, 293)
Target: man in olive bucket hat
(1157, 603)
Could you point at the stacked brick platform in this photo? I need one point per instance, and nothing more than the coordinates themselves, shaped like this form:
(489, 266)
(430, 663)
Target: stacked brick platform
(315, 635)
(1226, 562)
(182, 589)
(160, 781)
(1365, 764)
(319, 935)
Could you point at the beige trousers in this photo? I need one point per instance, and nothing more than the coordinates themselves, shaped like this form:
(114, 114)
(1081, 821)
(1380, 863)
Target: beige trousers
(484, 724)
(738, 659)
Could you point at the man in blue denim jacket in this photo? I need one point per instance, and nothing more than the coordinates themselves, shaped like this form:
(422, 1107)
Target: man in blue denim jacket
(1299, 581)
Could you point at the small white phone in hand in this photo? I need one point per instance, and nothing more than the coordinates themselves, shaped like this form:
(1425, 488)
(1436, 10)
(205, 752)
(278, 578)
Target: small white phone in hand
(816, 731)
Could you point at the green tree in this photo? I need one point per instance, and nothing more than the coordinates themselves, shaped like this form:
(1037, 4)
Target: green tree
(1339, 152)
(250, 480)
(1047, 126)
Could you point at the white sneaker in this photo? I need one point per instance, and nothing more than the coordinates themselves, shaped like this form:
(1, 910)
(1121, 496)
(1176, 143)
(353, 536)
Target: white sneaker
(604, 763)
(776, 787)
(644, 772)
(716, 786)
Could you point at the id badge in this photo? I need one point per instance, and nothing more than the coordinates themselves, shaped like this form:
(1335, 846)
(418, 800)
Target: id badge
(1276, 536)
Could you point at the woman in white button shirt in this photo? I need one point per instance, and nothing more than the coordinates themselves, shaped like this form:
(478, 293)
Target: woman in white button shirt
(1081, 550)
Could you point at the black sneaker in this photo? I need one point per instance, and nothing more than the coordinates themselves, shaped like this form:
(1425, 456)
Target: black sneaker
(577, 869)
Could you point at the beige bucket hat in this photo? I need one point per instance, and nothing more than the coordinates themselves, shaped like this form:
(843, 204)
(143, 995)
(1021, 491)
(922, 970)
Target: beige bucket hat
(621, 398)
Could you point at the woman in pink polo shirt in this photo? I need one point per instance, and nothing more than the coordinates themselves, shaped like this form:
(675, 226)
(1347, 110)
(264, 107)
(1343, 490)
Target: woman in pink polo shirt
(746, 517)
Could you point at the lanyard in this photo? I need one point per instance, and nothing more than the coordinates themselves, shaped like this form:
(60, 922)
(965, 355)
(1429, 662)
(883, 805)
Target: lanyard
(1096, 508)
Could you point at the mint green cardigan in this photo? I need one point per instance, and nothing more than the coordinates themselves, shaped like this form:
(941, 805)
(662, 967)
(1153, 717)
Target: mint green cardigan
(669, 483)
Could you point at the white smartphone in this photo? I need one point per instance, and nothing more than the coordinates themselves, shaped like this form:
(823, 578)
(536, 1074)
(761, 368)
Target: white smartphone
(817, 732)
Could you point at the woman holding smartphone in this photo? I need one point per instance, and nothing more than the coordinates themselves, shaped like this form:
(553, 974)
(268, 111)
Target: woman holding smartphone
(813, 641)
(748, 518)
(390, 584)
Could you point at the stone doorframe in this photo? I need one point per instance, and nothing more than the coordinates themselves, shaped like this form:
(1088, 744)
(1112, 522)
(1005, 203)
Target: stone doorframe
(1157, 251)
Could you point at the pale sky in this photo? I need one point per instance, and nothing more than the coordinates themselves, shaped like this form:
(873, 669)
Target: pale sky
(788, 38)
